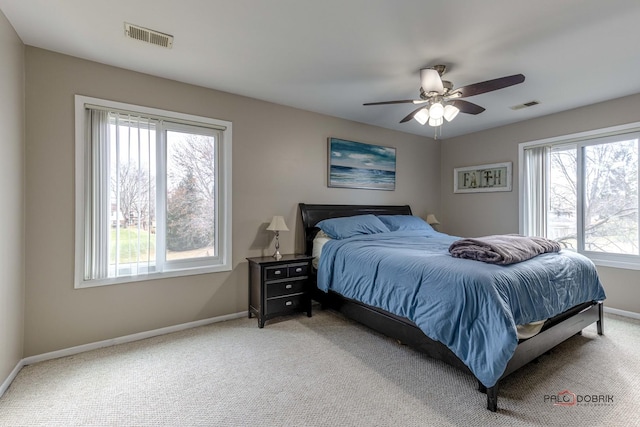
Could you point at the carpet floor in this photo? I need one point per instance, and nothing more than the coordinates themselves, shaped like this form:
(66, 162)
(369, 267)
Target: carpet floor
(320, 371)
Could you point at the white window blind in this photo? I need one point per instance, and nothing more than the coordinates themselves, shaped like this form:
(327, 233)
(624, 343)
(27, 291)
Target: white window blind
(535, 171)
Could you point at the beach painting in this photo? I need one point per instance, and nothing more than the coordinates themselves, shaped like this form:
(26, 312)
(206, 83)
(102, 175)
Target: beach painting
(358, 165)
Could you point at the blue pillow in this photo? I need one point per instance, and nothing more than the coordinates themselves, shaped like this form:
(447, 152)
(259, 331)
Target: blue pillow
(404, 222)
(342, 228)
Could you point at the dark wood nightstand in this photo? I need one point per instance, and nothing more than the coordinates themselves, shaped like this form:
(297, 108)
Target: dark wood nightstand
(279, 287)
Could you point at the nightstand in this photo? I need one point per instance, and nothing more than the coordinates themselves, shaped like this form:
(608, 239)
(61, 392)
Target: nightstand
(279, 287)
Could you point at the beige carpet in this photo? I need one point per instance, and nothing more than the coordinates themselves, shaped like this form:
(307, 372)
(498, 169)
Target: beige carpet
(319, 371)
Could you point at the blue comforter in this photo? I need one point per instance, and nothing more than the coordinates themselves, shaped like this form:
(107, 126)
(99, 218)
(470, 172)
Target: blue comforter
(471, 307)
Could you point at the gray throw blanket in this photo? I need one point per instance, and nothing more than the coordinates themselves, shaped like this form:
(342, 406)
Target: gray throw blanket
(502, 249)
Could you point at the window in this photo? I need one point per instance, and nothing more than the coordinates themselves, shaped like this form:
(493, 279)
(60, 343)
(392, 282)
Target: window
(582, 190)
(152, 193)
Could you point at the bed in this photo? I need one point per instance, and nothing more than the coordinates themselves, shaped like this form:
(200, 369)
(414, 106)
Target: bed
(407, 325)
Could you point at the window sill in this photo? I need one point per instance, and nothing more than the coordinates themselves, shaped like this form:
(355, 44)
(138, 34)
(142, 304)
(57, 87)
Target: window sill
(624, 264)
(81, 284)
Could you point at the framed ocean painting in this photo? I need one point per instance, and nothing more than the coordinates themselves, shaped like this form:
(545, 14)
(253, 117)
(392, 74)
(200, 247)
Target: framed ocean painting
(358, 165)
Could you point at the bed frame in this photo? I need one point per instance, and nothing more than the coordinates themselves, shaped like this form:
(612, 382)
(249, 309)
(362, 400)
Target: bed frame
(555, 330)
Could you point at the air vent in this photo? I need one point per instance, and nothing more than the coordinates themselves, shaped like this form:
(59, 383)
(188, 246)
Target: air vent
(149, 36)
(525, 105)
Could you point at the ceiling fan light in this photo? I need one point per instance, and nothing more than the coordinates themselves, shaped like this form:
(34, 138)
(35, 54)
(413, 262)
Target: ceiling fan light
(435, 122)
(450, 112)
(422, 116)
(431, 81)
(436, 111)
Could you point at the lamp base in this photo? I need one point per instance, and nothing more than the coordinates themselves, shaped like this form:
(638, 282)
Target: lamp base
(277, 255)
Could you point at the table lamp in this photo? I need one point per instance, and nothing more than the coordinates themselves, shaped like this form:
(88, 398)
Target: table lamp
(432, 220)
(277, 225)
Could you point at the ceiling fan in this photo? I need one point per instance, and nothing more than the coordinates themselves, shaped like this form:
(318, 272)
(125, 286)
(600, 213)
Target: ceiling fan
(443, 101)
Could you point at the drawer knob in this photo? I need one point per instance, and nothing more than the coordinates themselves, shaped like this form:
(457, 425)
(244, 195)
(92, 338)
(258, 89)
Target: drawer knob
(288, 286)
(298, 270)
(277, 272)
(288, 303)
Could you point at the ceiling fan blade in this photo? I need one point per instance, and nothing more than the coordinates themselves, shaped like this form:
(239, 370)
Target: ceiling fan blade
(403, 101)
(410, 116)
(467, 107)
(490, 85)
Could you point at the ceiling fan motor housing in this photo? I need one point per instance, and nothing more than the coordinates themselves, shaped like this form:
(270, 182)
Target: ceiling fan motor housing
(439, 68)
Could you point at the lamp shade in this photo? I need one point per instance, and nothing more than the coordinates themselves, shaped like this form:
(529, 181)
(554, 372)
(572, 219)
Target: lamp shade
(277, 224)
(436, 111)
(450, 112)
(422, 116)
(430, 81)
(436, 122)
(432, 220)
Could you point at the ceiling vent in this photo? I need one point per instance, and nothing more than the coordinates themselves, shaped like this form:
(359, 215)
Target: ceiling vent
(525, 105)
(148, 36)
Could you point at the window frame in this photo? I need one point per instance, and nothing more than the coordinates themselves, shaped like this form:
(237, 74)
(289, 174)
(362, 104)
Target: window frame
(223, 208)
(581, 140)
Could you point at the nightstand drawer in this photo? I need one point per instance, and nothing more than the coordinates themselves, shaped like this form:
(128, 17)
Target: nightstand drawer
(298, 270)
(273, 273)
(285, 288)
(283, 304)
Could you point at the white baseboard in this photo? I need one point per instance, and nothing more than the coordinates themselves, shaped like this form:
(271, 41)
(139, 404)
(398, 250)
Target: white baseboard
(12, 376)
(624, 313)
(113, 341)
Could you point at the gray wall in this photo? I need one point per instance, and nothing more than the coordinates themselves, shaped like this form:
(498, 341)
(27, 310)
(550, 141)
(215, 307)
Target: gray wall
(279, 160)
(12, 196)
(494, 213)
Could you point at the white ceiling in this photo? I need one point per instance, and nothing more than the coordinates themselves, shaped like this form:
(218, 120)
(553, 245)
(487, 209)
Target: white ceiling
(331, 56)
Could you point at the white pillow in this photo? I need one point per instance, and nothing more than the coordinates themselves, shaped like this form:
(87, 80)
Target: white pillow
(318, 242)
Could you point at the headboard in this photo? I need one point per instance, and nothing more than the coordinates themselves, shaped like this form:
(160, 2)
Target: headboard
(313, 214)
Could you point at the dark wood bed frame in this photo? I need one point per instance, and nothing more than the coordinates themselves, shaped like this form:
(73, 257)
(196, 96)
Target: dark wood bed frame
(555, 330)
